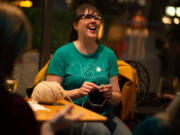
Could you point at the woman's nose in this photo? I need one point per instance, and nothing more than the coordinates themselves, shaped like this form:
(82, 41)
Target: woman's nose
(93, 20)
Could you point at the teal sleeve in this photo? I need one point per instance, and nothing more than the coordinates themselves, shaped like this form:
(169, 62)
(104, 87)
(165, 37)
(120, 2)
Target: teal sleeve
(113, 68)
(57, 64)
(152, 126)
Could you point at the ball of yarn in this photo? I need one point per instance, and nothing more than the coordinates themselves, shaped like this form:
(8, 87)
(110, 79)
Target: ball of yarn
(47, 92)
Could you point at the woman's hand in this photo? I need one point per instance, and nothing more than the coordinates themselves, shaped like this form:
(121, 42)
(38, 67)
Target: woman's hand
(107, 90)
(87, 87)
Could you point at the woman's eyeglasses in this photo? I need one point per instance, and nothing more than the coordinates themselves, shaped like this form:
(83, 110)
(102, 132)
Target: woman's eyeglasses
(90, 16)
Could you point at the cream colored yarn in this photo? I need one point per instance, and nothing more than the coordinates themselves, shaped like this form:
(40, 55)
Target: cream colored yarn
(47, 92)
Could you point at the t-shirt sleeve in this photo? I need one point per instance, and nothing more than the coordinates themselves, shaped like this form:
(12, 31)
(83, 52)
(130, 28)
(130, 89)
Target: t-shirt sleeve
(113, 68)
(57, 64)
(152, 126)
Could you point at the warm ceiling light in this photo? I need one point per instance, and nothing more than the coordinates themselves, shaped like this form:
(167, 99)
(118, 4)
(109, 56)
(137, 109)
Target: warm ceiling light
(170, 10)
(178, 11)
(176, 20)
(23, 3)
(166, 20)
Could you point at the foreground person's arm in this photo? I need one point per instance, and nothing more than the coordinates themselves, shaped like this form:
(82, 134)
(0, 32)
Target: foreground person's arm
(60, 120)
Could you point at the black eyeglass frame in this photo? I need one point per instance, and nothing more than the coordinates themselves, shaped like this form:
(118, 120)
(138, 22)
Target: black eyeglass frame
(90, 16)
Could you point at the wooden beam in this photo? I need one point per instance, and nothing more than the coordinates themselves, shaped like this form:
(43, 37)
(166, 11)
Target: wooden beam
(46, 32)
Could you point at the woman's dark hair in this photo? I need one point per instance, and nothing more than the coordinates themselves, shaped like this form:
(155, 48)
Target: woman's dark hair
(15, 36)
(77, 16)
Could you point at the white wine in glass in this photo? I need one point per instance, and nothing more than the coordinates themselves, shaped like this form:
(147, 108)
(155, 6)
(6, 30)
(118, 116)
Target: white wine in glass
(11, 85)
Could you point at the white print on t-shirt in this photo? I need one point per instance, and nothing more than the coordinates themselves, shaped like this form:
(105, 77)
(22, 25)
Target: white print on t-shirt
(88, 70)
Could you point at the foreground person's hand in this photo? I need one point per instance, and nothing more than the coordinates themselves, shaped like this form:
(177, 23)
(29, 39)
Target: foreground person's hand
(60, 120)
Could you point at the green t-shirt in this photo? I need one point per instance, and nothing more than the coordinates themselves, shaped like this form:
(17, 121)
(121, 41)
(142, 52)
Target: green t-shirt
(76, 68)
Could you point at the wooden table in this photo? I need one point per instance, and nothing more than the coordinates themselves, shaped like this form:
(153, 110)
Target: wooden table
(89, 116)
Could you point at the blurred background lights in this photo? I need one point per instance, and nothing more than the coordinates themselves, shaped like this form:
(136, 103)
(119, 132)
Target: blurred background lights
(176, 20)
(142, 2)
(178, 11)
(166, 20)
(170, 10)
(120, 1)
(68, 1)
(24, 3)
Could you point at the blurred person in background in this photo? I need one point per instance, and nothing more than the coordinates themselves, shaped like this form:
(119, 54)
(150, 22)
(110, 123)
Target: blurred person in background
(137, 35)
(170, 57)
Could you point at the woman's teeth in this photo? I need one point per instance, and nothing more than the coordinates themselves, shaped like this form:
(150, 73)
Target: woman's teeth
(92, 28)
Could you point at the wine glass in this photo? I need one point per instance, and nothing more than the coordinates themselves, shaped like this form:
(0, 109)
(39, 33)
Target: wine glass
(11, 85)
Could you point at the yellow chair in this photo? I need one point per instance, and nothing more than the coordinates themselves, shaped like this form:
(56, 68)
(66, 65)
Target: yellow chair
(128, 90)
(40, 75)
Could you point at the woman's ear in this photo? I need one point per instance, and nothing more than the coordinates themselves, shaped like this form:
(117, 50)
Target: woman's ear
(75, 25)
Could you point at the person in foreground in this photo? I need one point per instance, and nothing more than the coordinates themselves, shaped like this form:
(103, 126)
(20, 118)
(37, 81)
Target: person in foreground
(88, 71)
(16, 115)
(165, 123)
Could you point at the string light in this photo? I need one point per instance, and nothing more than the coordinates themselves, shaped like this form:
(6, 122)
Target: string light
(166, 20)
(170, 10)
(176, 20)
(178, 11)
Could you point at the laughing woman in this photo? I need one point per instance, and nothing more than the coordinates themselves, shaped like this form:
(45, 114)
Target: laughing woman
(88, 71)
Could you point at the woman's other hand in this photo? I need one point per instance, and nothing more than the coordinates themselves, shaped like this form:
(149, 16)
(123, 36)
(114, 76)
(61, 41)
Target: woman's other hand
(107, 90)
